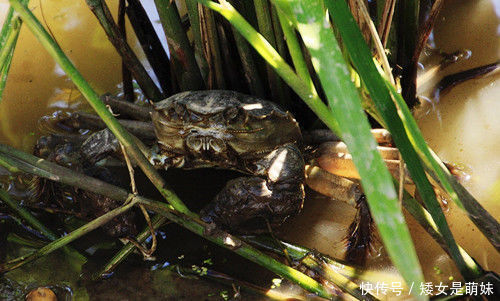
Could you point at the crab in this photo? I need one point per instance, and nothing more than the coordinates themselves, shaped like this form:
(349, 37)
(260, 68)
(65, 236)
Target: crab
(230, 130)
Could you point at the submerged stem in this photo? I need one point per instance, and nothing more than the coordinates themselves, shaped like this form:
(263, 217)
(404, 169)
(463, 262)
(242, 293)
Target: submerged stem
(63, 241)
(190, 222)
(35, 223)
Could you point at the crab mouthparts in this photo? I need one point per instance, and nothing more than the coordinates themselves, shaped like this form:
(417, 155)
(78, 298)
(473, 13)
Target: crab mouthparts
(202, 143)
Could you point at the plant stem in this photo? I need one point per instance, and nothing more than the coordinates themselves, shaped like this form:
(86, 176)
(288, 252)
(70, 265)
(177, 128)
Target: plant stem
(262, 46)
(150, 43)
(250, 71)
(4, 72)
(123, 136)
(63, 241)
(297, 253)
(101, 11)
(181, 53)
(194, 20)
(212, 49)
(8, 39)
(408, 26)
(295, 50)
(82, 120)
(18, 161)
(22, 161)
(325, 271)
(157, 221)
(36, 224)
(263, 12)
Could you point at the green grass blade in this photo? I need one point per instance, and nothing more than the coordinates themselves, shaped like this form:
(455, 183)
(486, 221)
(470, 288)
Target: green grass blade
(362, 59)
(4, 72)
(6, 26)
(295, 50)
(272, 57)
(8, 40)
(312, 23)
(486, 223)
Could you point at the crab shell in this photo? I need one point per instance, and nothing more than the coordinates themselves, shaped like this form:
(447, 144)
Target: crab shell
(221, 122)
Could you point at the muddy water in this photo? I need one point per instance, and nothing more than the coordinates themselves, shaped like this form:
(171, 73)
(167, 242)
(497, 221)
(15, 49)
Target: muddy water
(36, 85)
(462, 128)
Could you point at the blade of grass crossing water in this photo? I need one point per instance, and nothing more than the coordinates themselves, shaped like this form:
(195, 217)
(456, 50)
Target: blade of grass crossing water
(486, 223)
(313, 24)
(8, 39)
(361, 57)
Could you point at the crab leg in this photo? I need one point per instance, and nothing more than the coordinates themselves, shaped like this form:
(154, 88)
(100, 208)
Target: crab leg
(332, 185)
(316, 137)
(360, 233)
(119, 106)
(81, 120)
(336, 159)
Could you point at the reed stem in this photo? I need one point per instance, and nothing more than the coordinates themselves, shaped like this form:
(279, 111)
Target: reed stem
(102, 13)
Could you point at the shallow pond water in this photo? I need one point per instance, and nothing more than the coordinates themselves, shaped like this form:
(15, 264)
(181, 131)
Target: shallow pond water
(462, 128)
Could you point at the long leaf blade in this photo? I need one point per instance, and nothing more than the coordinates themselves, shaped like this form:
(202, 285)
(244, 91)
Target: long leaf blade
(311, 21)
(361, 57)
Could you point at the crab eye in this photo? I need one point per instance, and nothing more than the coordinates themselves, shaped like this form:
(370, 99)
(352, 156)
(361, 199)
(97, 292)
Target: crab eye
(179, 109)
(176, 112)
(194, 118)
(231, 114)
(171, 114)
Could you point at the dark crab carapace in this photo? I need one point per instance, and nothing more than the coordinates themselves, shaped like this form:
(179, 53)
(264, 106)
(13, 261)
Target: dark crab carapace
(230, 130)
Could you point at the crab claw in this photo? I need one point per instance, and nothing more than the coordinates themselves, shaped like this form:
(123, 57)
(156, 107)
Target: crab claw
(249, 204)
(253, 204)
